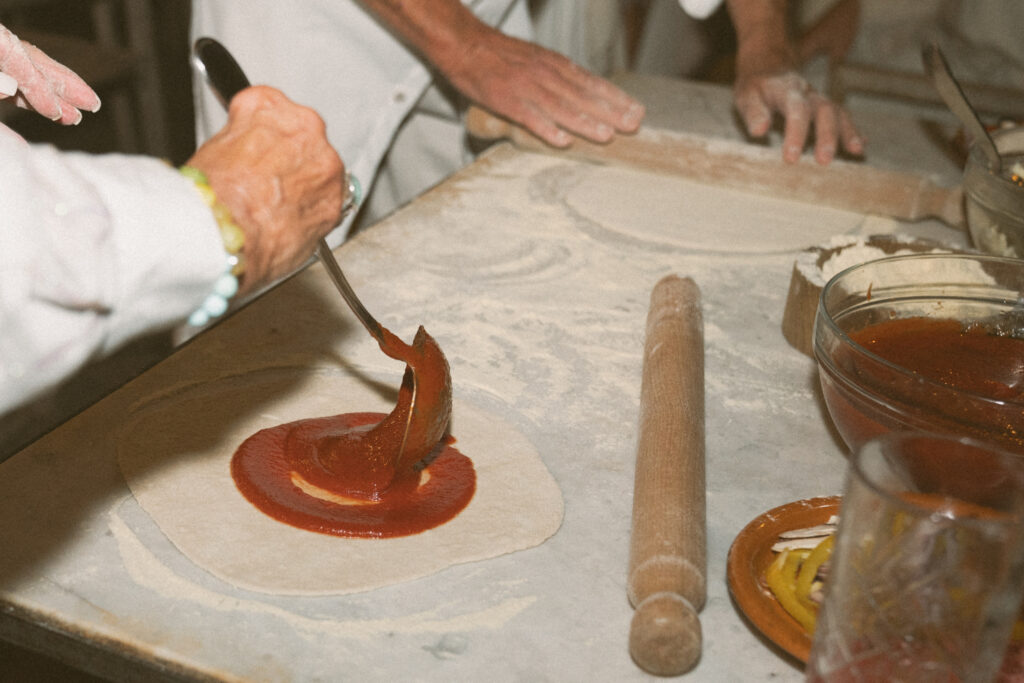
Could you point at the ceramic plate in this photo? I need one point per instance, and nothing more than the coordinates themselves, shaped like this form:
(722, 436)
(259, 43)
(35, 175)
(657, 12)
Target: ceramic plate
(749, 557)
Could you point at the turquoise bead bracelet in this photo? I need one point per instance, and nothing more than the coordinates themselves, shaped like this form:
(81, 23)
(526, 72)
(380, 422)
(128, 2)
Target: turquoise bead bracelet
(226, 286)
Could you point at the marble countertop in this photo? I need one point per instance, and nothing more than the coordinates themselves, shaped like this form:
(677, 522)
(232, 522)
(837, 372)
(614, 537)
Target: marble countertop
(539, 299)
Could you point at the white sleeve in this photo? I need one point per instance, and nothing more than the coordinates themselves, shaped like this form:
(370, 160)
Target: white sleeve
(93, 251)
(700, 9)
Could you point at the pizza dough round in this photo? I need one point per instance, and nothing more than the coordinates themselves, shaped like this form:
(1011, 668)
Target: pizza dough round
(175, 451)
(660, 209)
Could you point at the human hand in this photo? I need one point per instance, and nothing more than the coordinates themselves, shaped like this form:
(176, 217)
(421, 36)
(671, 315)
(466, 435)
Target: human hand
(768, 83)
(273, 168)
(541, 90)
(759, 96)
(537, 88)
(39, 83)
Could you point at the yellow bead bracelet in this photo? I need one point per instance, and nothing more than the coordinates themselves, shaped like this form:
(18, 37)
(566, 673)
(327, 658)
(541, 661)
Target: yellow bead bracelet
(226, 286)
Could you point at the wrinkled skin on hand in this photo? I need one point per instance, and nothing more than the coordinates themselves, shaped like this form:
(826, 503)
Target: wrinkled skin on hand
(273, 168)
(768, 84)
(541, 90)
(43, 85)
(525, 83)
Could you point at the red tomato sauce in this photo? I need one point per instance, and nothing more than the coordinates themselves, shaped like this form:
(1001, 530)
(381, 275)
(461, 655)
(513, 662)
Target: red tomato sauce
(975, 363)
(264, 468)
(366, 475)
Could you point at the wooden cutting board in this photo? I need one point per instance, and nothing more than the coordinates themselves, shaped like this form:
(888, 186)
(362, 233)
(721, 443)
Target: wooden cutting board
(842, 184)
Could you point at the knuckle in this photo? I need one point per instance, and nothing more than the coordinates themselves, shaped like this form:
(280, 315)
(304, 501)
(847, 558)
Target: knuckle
(310, 122)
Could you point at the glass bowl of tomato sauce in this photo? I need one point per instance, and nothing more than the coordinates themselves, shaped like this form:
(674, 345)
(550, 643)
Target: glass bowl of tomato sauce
(924, 342)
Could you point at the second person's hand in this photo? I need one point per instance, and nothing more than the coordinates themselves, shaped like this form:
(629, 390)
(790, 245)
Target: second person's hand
(539, 89)
(760, 96)
(768, 84)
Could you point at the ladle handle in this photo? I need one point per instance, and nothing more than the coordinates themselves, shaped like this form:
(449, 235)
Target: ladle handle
(938, 70)
(347, 293)
(226, 78)
(219, 68)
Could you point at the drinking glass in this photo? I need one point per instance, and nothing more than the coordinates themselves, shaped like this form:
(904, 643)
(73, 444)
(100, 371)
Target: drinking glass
(926, 578)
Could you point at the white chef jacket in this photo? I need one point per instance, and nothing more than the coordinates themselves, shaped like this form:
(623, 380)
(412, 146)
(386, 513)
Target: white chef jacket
(93, 251)
(700, 9)
(333, 56)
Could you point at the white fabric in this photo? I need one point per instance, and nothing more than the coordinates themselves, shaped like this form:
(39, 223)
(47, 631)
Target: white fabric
(981, 39)
(93, 251)
(589, 32)
(700, 9)
(333, 56)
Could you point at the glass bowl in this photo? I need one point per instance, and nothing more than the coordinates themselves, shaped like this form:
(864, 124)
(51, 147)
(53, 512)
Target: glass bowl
(926, 342)
(994, 204)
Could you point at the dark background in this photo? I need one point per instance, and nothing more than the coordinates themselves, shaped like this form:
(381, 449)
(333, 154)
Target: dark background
(70, 29)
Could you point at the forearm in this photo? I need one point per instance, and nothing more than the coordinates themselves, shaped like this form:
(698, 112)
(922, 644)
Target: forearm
(537, 88)
(440, 31)
(761, 36)
(94, 251)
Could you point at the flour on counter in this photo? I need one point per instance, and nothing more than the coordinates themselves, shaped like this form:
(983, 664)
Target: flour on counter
(845, 251)
(146, 570)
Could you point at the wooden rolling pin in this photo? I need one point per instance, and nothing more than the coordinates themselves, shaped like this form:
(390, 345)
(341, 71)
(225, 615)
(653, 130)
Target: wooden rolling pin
(727, 163)
(668, 550)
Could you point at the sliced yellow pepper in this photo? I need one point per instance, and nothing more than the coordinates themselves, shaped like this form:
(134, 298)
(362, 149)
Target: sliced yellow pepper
(809, 570)
(781, 579)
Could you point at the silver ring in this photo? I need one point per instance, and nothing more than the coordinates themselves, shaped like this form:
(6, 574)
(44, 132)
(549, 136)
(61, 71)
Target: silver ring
(355, 194)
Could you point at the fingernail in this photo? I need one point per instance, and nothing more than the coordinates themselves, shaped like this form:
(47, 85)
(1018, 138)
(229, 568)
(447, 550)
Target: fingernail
(561, 139)
(634, 115)
(758, 127)
(604, 132)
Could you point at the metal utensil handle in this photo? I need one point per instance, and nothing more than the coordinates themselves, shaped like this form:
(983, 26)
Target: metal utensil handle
(949, 88)
(220, 69)
(347, 293)
(227, 79)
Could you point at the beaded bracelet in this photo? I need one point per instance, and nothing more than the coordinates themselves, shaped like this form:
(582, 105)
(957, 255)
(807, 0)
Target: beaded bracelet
(226, 286)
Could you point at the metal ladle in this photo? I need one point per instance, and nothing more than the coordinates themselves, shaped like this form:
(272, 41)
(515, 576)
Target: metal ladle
(424, 405)
(937, 68)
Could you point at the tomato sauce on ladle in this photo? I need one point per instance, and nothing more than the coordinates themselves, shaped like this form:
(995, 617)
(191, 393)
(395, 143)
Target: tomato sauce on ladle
(366, 474)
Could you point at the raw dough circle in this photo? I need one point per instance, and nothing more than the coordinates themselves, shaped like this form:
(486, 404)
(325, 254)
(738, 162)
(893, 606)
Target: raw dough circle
(175, 450)
(661, 210)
